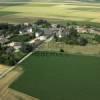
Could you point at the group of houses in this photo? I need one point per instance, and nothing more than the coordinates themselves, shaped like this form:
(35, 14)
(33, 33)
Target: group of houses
(18, 40)
(28, 30)
(41, 33)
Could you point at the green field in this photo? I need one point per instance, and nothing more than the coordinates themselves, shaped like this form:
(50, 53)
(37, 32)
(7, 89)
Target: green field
(21, 12)
(60, 77)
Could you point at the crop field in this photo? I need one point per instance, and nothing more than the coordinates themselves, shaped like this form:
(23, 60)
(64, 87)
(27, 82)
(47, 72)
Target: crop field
(53, 76)
(21, 12)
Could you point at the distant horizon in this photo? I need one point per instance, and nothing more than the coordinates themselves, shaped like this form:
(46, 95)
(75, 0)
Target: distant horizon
(49, 1)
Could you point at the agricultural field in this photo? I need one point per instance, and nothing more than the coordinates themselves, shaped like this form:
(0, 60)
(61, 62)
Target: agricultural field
(54, 76)
(21, 12)
(89, 49)
(32, 0)
(48, 0)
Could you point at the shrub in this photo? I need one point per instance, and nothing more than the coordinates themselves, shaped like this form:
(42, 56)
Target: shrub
(61, 50)
(26, 48)
(82, 41)
(97, 38)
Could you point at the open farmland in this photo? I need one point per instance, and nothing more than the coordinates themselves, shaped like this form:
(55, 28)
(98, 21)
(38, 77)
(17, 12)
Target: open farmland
(52, 76)
(89, 49)
(21, 12)
(32, 0)
(45, 0)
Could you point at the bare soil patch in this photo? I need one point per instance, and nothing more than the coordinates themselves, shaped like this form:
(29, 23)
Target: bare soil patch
(3, 68)
(9, 94)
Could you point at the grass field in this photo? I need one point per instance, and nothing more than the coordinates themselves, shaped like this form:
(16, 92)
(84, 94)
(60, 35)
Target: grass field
(17, 13)
(60, 77)
(89, 49)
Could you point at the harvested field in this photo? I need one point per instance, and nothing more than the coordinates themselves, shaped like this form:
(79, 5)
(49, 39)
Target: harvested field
(82, 12)
(3, 68)
(10, 94)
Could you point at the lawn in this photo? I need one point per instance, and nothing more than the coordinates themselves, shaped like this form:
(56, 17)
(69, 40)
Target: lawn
(51, 76)
(21, 38)
(83, 12)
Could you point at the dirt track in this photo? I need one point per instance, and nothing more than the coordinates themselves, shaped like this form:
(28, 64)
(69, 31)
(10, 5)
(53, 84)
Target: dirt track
(3, 68)
(10, 94)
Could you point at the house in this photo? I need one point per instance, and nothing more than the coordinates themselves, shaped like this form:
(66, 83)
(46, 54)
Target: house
(81, 29)
(3, 40)
(91, 30)
(26, 24)
(37, 34)
(32, 41)
(62, 32)
(20, 32)
(15, 45)
(29, 30)
(97, 30)
(54, 25)
(42, 38)
(47, 31)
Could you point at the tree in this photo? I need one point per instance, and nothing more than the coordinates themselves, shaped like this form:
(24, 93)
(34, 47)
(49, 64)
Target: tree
(12, 60)
(9, 50)
(73, 32)
(42, 22)
(0, 46)
(58, 25)
(82, 41)
(26, 48)
(61, 50)
(55, 37)
(68, 24)
(33, 35)
(97, 38)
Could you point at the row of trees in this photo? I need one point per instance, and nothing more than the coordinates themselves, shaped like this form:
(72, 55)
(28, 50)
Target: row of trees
(43, 23)
(47, 53)
(7, 29)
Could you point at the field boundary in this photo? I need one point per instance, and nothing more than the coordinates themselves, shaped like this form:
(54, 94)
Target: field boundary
(58, 53)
